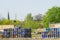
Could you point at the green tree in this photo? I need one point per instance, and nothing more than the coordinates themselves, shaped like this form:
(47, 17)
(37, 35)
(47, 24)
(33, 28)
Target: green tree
(16, 22)
(38, 17)
(30, 23)
(52, 16)
(8, 16)
(29, 17)
(9, 22)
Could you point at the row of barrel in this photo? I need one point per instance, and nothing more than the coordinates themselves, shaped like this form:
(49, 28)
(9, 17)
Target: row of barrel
(51, 33)
(17, 32)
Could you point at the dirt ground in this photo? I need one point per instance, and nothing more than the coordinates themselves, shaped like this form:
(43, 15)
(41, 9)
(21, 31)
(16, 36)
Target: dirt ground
(29, 38)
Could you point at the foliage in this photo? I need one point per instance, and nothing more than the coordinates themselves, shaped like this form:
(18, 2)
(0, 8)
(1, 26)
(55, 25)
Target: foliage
(52, 16)
(16, 22)
(9, 22)
(30, 23)
(38, 17)
(29, 17)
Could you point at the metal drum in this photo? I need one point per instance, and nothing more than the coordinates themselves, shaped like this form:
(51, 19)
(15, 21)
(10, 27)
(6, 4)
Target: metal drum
(48, 29)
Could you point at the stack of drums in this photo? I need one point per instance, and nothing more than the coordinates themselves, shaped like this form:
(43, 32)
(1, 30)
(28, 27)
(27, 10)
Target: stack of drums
(51, 33)
(56, 32)
(6, 33)
(17, 32)
(26, 33)
(44, 35)
(12, 33)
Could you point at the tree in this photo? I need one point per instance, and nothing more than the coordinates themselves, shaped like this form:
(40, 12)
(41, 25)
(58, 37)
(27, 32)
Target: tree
(30, 23)
(38, 17)
(29, 17)
(8, 16)
(52, 16)
(16, 22)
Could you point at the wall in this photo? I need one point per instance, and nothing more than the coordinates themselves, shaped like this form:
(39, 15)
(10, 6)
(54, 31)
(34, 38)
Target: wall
(57, 25)
(5, 27)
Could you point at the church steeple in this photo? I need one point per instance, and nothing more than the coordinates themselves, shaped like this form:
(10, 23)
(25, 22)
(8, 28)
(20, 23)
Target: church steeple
(8, 16)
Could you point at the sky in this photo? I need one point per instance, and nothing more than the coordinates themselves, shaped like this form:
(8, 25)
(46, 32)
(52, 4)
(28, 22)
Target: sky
(20, 8)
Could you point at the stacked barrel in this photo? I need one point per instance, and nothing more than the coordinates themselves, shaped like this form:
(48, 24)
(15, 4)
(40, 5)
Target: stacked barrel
(17, 32)
(51, 33)
(6, 33)
(26, 33)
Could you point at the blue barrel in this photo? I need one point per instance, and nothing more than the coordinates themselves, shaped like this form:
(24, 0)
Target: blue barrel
(43, 33)
(23, 33)
(11, 32)
(4, 33)
(5, 29)
(15, 32)
(15, 29)
(55, 29)
(44, 36)
(48, 29)
(59, 34)
(19, 32)
(56, 34)
(7, 36)
(26, 33)
(59, 29)
(19, 36)
(18, 27)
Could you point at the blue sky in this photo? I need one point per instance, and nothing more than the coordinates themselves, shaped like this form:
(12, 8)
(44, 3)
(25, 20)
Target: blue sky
(21, 8)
